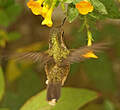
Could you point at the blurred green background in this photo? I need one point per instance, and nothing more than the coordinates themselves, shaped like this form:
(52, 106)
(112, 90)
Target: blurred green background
(20, 30)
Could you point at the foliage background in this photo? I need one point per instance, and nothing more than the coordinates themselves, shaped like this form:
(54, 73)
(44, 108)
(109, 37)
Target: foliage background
(20, 30)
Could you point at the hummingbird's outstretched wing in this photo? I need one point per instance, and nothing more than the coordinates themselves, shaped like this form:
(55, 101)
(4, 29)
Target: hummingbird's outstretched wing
(77, 55)
(41, 57)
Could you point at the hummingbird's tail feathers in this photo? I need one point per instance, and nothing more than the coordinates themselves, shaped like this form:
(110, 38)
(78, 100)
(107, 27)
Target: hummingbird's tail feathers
(53, 92)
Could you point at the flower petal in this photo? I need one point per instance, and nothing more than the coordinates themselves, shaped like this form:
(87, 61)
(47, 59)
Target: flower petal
(84, 7)
(35, 6)
(44, 10)
(90, 55)
(48, 21)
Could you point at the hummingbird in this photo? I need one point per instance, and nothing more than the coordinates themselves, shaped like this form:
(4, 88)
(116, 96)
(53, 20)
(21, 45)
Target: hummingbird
(57, 60)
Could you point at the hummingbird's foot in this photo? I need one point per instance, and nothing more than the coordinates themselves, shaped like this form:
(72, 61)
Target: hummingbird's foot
(52, 102)
(46, 82)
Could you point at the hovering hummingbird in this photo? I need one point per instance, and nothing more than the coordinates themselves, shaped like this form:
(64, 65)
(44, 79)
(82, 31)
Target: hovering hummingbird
(57, 60)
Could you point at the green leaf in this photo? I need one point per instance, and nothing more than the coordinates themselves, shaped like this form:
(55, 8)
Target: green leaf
(67, 1)
(72, 13)
(95, 16)
(77, 1)
(13, 36)
(2, 83)
(101, 73)
(99, 6)
(28, 84)
(108, 105)
(113, 10)
(71, 99)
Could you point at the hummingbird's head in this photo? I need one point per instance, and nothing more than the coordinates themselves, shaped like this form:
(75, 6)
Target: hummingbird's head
(55, 36)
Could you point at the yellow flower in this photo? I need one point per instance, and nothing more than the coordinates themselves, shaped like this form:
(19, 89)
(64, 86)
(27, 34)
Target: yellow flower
(44, 10)
(84, 7)
(48, 21)
(35, 6)
(90, 54)
(89, 38)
